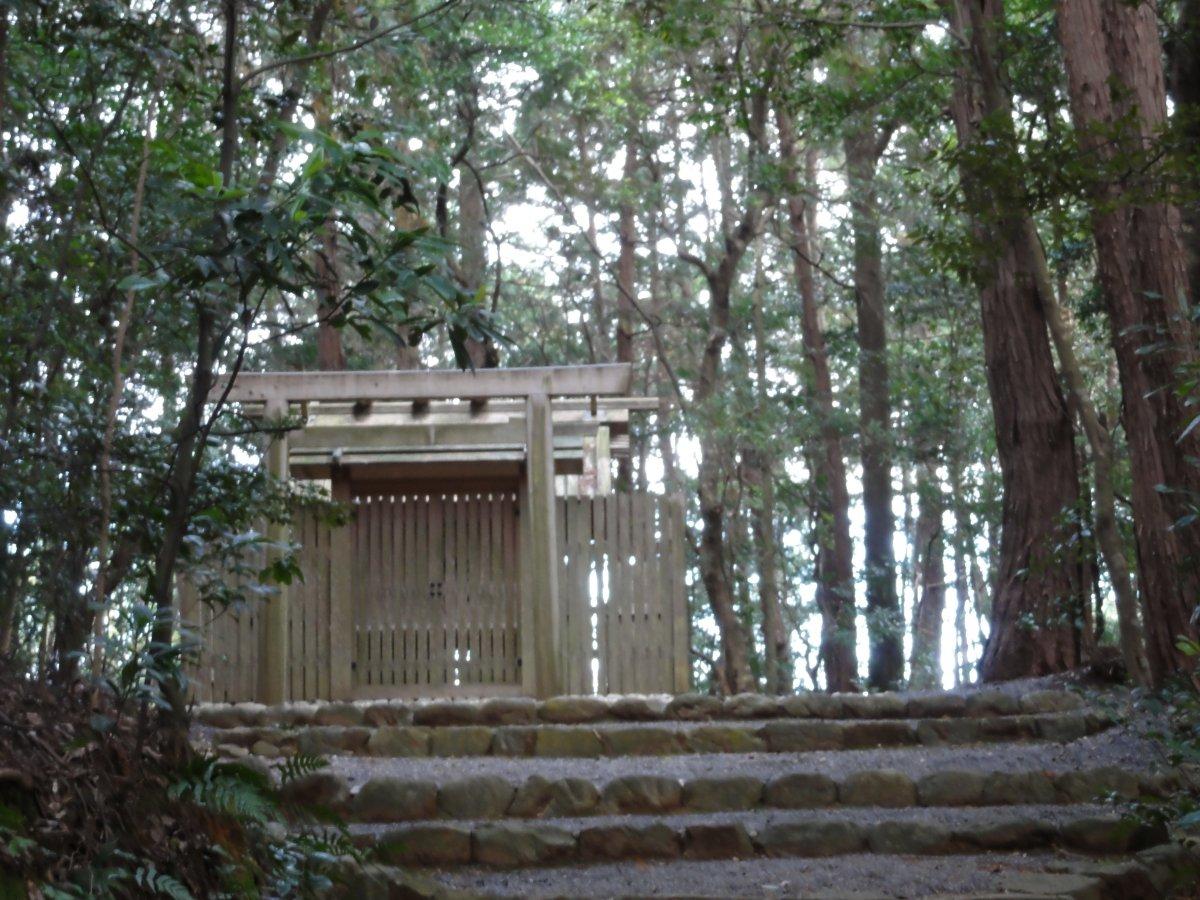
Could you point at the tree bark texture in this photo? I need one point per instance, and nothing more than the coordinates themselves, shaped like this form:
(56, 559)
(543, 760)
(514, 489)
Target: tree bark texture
(1039, 589)
(835, 560)
(1115, 76)
(885, 619)
(926, 662)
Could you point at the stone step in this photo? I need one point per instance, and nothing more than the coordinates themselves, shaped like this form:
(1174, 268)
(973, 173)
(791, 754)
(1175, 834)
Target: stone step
(1151, 873)
(742, 835)
(404, 798)
(654, 739)
(986, 703)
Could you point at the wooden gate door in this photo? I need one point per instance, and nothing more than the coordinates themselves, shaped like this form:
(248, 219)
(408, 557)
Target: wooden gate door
(624, 609)
(435, 595)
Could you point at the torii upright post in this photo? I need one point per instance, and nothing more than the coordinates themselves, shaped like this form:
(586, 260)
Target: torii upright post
(273, 648)
(541, 644)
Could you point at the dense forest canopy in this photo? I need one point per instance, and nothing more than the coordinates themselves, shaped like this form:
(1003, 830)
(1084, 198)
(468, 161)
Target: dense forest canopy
(910, 281)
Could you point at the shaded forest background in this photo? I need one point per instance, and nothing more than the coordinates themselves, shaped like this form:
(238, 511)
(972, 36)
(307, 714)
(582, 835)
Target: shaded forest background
(909, 279)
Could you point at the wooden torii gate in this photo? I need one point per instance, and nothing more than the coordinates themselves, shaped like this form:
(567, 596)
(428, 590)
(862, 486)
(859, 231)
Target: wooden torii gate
(550, 637)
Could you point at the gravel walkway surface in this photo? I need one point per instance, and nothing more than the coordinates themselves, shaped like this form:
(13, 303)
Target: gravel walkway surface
(758, 819)
(860, 875)
(1122, 746)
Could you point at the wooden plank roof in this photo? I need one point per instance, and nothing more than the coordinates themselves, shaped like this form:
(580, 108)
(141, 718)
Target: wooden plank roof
(603, 380)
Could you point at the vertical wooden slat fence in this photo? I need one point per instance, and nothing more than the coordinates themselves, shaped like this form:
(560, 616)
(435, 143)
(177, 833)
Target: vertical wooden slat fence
(623, 607)
(435, 601)
(435, 595)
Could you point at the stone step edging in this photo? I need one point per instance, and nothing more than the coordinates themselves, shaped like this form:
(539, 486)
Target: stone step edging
(513, 845)
(784, 736)
(391, 799)
(581, 710)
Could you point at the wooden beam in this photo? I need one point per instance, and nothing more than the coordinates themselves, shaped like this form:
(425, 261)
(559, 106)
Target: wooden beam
(341, 598)
(541, 555)
(273, 634)
(608, 379)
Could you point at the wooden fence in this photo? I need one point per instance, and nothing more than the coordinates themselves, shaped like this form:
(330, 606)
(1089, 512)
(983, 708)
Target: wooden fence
(436, 601)
(624, 609)
(436, 595)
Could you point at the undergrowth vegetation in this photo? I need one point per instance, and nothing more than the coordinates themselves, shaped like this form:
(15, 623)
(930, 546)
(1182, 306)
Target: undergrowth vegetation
(97, 800)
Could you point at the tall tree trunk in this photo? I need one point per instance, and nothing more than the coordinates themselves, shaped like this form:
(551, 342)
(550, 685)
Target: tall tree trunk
(760, 478)
(472, 228)
(714, 455)
(626, 272)
(926, 660)
(1184, 83)
(1115, 77)
(1038, 596)
(835, 561)
(331, 356)
(1108, 534)
(885, 619)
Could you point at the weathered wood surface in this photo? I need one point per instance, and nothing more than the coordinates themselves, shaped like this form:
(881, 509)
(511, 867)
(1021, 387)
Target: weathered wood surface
(429, 602)
(435, 596)
(607, 379)
(625, 621)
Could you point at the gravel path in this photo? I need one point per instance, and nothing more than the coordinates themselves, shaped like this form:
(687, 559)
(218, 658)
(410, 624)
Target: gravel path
(862, 875)
(758, 819)
(1122, 746)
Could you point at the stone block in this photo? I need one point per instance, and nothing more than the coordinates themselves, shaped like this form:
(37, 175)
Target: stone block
(937, 706)
(446, 713)
(572, 742)
(642, 741)
(399, 741)
(319, 790)
(951, 788)
(338, 714)
(657, 841)
(727, 840)
(479, 797)
(641, 794)
(802, 736)
(720, 794)
(465, 740)
(389, 799)
(573, 710)
(828, 837)
(910, 838)
(540, 797)
(1011, 788)
(723, 739)
(1091, 785)
(509, 711)
(511, 844)
(425, 845)
(878, 787)
(1050, 702)
(991, 703)
(879, 733)
(514, 741)
(873, 706)
(693, 707)
(802, 790)
(639, 709)
(751, 706)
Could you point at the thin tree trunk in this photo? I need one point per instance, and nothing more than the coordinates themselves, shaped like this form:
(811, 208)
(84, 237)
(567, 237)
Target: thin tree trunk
(926, 659)
(1039, 595)
(1108, 535)
(124, 319)
(834, 564)
(472, 231)
(330, 354)
(1115, 77)
(189, 441)
(760, 477)
(1184, 57)
(885, 620)
(626, 271)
